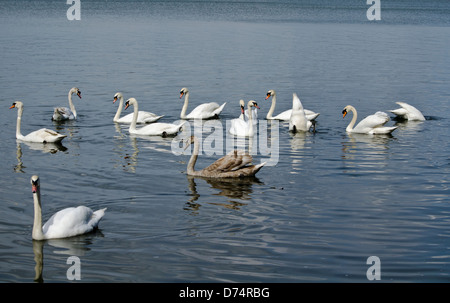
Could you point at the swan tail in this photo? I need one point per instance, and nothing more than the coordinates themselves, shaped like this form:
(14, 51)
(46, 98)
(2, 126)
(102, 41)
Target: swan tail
(97, 216)
(219, 109)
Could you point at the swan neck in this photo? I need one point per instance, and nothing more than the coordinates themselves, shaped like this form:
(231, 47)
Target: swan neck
(355, 116)
(119, 110)
(19, 122)
(135, 116)
(185, 106)
(37, 225)
(272, 107)
(193, 159)
(72, 107)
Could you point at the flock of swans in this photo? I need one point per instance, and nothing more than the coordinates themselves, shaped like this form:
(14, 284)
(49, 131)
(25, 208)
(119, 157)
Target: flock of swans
(237, 163)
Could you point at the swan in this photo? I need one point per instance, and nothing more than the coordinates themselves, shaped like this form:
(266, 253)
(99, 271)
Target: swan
(64, 113)
(298, 120)
(372, 124)
(286, 115)
(154, 129)
(202, 111)
(408, 112)
(65, 223)
(143, 116)
(242, 128)
(235, 164)
(42, 135)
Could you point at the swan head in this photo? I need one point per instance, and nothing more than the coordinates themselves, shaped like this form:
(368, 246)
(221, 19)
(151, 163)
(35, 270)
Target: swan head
(16, 104)
(242, 104)
(253, 103)
(270, 93)
(117, 96)
(345, 110)
(129, 102)
(34, 184)
(75, 90)
(183, 91)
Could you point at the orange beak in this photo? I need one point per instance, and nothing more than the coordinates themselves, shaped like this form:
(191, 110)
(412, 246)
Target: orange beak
(115, 99)
(181, 95)
(344, 113)
(268, 96)
(12, 106)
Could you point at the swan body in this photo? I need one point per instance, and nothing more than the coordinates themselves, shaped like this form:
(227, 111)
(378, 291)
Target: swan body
(408, 112)
(154, 129)
(64, 113)
(298, 121)
(143, 116)
(65, 223)
(42, 135)
(202, 111)
(373, 124)
(240, 127)
(286, 115)
(235, 164)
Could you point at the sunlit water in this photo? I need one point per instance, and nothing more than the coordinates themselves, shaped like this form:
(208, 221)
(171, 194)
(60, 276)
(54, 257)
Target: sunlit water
(332, 199)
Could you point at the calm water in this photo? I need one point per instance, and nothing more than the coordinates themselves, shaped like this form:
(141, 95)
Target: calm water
(332, 199)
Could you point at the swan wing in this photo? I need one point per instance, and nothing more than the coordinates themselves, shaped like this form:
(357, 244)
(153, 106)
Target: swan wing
(371, 122)
(159, 129)
(234, 160)
(408, 111)
(143, 117)
(44, 135)
(69, 222)
(205, 111)
(285, 116)
(63, 113)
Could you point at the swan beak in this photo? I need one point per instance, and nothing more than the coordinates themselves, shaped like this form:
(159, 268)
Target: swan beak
(181, 95)
(127, 105)
(344, 113)
(268, 96)
(256, 105)
(115, 99)
(12, 106)
(79, 94)
(242, 109)
(33, 188)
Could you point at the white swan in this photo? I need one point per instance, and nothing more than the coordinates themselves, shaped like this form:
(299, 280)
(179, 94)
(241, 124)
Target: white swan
(64, 113)
(372, 124)
(42, 135)
(202, 111)
(240, 127)
(286, 115)
(143, 116)
(154, 129)
(408, 112)
(235, 164)
(298, 121)
(65, 223)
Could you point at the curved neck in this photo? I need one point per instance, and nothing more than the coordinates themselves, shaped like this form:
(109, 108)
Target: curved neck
(272, 107)
(355, 116)
(250, 120)
(135, 116)
(19, 122)
(37, 225)
(193, 159)
(185, 106)
(119, 110)
(72, 107)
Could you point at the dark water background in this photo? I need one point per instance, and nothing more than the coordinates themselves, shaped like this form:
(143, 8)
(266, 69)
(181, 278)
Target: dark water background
(332, 199)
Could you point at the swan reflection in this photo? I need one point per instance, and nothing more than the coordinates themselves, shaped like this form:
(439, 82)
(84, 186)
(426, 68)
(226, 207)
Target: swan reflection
(232, 188)
(51, 148)
(74, 246)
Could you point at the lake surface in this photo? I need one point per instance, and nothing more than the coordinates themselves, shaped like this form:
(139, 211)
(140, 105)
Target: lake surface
(325, 204)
